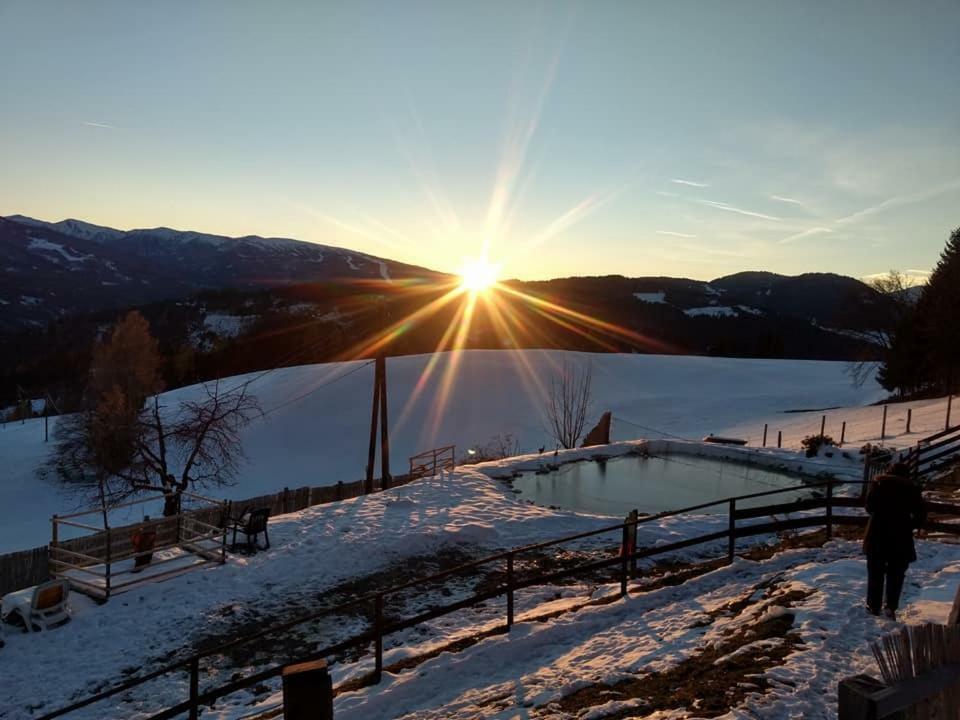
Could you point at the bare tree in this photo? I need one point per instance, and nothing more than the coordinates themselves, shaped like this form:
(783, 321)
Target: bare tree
(895, 287)
(568, 403)
(195, 445)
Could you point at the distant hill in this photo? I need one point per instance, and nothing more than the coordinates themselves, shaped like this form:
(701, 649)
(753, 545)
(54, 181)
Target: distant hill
(54, 270)
(222, 306)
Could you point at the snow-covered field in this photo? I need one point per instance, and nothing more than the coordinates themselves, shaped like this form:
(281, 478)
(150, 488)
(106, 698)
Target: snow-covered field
(316, 428)
(538, 664)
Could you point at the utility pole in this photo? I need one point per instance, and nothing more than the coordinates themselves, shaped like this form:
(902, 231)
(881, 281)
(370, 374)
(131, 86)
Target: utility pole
(379, 412)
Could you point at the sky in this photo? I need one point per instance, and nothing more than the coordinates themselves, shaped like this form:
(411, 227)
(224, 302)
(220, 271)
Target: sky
(555, 139)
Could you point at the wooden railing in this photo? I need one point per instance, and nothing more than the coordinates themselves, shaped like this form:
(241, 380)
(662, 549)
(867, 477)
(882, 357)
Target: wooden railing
(379, 628)
(934, 451)
(429, 463)
(92, 563)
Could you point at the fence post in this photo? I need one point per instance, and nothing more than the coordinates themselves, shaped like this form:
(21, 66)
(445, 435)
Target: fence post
(843, 433)
(823, 425)
(307, 691)
(509, 591)
(107, 567)
(883, 426)
(378, 637)
(764, 434)
(624, 554)
(830, 509)
(946, 425)
(909, 418)
(285, 500)
(731, 529)
(779, 438)
(194, 687)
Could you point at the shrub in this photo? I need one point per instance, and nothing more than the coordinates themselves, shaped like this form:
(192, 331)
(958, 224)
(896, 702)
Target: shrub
(813, 443)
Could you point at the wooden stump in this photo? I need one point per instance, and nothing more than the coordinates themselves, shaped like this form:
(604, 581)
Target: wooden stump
(307, 691)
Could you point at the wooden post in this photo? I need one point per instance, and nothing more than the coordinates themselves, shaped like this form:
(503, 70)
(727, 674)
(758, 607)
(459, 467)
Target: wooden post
(843, 433)
(372, 453)
(764, 434)
(307, 691)
(829, 509)
(624, 553)
(883, 426)
(909, 418)
(509, 591)
(946, 425)
(55, 533)
(378, 635)
(285, 500)
(954, 618)
(384, 428)
(632, 519)
(823, 425)
(339, 489)
(779, 438)
(194, 687)
(732, 528)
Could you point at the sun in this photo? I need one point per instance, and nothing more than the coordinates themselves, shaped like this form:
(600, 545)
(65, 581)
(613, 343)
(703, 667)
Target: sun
(478, 275)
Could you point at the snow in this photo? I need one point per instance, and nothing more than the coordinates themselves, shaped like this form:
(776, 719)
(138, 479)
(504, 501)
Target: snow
(711, 311)
(537, 663)
(314, 434)
(226, 325)
(659, 298)
(316, 427)
(30, 300)
(46, 245)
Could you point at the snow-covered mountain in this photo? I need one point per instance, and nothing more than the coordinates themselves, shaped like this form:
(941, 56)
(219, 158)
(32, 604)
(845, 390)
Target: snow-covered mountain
(51, 270)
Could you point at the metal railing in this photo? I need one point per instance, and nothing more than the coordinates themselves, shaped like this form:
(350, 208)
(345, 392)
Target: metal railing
(624, 562)
(427, 464)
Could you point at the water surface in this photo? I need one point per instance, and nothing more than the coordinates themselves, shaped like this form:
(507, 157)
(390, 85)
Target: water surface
(654, 484)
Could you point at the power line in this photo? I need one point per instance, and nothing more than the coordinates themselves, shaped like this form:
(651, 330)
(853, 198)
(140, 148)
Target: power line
(292, 400)
(650, 429)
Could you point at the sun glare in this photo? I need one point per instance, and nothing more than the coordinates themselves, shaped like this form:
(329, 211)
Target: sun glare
(478, 275)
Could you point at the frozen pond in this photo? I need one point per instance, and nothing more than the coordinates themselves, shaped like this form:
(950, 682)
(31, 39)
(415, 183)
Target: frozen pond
(654, 484)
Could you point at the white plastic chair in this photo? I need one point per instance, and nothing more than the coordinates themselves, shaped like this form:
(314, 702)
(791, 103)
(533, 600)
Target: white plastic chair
(41, 607)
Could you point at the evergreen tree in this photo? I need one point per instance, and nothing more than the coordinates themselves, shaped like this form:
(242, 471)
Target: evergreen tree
(925, 352)
(938, 314)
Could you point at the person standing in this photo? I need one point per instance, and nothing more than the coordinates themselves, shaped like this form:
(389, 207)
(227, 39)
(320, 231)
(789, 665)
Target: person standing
(896, 508)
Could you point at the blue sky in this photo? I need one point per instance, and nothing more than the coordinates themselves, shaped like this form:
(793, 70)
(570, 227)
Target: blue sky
(641, 138)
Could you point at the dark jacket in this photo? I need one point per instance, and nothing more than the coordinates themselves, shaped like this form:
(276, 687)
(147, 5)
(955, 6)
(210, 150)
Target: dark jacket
(896, 507)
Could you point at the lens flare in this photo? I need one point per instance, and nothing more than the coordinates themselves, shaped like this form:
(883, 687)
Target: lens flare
(478, 275)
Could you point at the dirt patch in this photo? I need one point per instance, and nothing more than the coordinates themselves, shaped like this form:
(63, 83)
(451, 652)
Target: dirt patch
(710, 682)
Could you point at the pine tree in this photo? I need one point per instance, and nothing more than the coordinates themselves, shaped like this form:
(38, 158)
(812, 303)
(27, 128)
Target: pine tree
(938, 319)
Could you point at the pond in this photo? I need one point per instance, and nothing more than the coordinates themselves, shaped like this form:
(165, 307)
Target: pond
(654, 484)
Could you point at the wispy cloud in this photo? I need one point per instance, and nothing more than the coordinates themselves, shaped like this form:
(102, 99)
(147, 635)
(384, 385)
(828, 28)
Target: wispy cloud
(691, 183)
(739, 211)
(675, 234)
(792, 201)
(805, 233)
(664, 193)
(899, 200)
(90, 123)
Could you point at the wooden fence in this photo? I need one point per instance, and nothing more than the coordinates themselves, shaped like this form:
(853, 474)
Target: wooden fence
(23, 569)
(622, 562)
